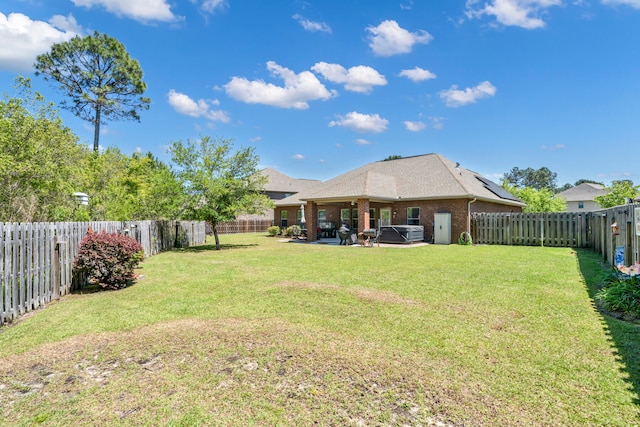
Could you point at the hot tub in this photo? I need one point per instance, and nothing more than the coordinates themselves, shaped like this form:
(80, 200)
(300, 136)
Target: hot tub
(401, 233)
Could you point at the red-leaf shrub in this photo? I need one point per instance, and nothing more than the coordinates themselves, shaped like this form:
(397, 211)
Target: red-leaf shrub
(108, 259)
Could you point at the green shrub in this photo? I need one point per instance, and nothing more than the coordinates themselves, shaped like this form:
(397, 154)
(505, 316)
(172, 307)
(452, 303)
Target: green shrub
(273, 231)
(293, 230)
(108, 259)
(621, 295)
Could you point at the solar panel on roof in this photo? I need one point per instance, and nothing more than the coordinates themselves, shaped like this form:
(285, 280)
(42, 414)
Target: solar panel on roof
(496, 189)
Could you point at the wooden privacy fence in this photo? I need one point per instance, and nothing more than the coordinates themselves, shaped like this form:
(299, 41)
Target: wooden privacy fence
(245, 226)
(594, 230)
(36, 259)
(567, 229)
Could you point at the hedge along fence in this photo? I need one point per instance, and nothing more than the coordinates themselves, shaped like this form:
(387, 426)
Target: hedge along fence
(36, 259)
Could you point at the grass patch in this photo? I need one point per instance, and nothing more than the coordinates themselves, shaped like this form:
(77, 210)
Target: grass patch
(270, 333)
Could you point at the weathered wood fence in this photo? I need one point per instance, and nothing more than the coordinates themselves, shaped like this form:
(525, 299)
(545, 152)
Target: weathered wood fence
(245, 226)
(594, 230)
(36, 259)
(566, 229)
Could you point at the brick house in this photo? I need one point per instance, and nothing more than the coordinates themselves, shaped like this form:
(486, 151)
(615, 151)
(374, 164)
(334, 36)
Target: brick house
(416, 190)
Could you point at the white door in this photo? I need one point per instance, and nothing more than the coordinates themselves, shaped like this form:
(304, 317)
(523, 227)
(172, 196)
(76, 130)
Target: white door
(442, 229)
(385, 216)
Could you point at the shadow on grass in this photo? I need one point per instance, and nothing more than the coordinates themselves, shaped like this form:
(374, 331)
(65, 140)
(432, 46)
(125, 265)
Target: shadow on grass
(624, 336)
(205, 248)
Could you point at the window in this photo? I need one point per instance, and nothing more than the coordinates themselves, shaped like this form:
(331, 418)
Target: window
(413, 216)
(354, 218)
(299, 217)
(283, 218)
(580, 205)
(372, 218)
(322, 215)
(345, 217)
(385, 216)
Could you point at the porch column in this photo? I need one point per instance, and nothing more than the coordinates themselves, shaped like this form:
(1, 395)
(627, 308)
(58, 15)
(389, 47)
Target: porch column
(363, 214)
(311, 216)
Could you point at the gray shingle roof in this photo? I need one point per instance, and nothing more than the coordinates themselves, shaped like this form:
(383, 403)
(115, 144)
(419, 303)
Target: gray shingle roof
(583, 192)
(282, 183)
(423, 177)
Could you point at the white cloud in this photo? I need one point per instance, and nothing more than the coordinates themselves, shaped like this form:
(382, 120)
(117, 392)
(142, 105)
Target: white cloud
(554, 147)
(24, 39)
(210, 6)
(298, 89)
(437, 122)
(362, 141)
(361, 122)
(408, 5)
(414, 126)
(633, 3)
(455, 97)
(311, 25)
(417, 74)
(389, 39)
(519, 13)
(298, 156)
(359, 79)
(183, 104)
(139, 10)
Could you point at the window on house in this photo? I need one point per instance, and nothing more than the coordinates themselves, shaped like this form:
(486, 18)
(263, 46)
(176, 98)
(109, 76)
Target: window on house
(322, 215)
(345, 217)
(413, 216)
(283, 219)
(580, 205)
(299, 217)
(372, 218)
(354, 218)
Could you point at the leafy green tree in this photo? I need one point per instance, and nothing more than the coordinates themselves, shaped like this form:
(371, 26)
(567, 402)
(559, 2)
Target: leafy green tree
(218, 183)
(543, 200)
(100, 78)
(618, 193)
(158, 192)
(529, 177)
(131, 188)
(40, 159)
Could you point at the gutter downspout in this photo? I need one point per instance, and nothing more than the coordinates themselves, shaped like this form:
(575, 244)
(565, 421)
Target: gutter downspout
(469, 214)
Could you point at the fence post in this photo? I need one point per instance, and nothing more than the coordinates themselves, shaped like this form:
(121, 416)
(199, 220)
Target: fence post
(56, 270)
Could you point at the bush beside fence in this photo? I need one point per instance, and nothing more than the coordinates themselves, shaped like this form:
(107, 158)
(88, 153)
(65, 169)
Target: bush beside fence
(36, 259)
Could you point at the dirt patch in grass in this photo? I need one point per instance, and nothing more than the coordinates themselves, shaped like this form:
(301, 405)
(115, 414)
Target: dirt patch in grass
(227, 373)
(375, 295)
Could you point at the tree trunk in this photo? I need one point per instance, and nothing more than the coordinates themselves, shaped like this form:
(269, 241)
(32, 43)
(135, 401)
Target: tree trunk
(215, 235)
(96, 130)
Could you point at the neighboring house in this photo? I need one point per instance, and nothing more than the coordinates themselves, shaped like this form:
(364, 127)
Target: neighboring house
(581, 197)
(280, 186)
(418, 190)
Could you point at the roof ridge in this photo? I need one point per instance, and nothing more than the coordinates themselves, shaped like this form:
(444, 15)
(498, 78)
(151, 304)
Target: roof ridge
(456, 177)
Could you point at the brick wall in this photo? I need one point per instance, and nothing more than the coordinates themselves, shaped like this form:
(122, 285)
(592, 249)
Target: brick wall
(428, 208)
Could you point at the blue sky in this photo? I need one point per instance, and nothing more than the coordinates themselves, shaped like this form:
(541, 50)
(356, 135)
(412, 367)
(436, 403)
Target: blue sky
(321, 87)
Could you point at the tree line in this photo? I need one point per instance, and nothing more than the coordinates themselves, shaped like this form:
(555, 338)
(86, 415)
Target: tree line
(42, 165)
(538, 189)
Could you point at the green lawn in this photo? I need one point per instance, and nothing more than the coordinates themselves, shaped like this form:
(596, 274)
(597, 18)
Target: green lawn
(271, 333)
